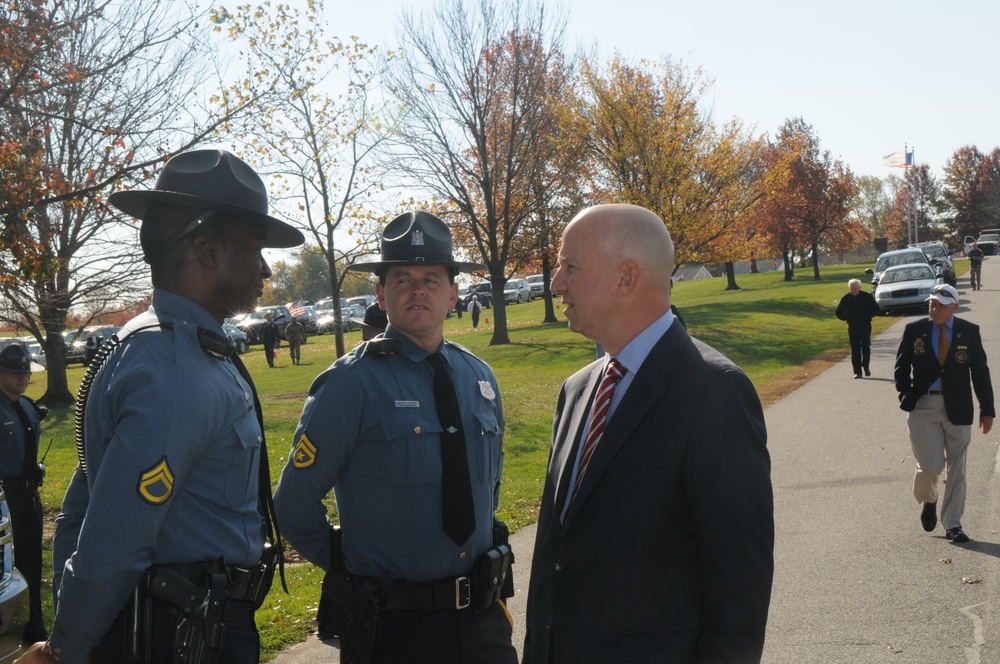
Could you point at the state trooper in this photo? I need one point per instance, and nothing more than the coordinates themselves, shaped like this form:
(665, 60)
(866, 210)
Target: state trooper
(21, 475)
(407, 429)
(176, 504)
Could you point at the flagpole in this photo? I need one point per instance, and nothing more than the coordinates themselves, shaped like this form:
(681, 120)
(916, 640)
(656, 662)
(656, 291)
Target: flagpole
(912, 222)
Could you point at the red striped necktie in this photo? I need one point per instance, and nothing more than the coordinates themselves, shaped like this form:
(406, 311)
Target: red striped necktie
(598, 418)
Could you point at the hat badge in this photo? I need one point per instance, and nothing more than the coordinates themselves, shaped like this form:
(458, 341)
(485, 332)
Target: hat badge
(417, 238)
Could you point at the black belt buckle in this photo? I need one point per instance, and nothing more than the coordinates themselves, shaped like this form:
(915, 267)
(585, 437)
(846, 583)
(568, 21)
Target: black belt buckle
(463, 593)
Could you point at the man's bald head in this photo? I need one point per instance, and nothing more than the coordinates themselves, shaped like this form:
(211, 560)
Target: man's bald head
(614, 272)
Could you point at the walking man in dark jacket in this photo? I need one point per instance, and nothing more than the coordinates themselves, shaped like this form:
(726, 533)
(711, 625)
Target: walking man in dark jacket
(269, 336)
(940, 362)
(858, 308)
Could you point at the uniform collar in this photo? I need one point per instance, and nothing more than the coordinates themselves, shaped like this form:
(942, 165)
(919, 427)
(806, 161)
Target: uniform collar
(410, 349)
(178, 307)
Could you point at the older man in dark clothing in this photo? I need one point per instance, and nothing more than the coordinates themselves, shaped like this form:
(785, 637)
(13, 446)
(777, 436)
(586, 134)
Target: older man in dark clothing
(858, 308)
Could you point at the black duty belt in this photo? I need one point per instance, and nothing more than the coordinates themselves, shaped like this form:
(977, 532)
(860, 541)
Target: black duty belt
(935, 391)
(18, 483)
(242, 582)
(453, 594)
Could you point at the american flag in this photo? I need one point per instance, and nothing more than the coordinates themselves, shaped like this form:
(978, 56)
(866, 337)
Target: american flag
(298, 308)
(899, 159)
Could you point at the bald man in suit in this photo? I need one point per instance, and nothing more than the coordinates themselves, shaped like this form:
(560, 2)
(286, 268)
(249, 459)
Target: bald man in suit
(656, 534)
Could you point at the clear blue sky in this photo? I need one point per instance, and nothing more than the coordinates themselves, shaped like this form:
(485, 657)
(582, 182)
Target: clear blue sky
(868, 75)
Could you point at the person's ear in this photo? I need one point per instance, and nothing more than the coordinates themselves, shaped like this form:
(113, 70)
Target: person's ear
(628, 276)
(206, 250)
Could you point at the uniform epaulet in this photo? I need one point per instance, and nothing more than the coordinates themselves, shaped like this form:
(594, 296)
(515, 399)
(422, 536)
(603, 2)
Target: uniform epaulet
(460, 347)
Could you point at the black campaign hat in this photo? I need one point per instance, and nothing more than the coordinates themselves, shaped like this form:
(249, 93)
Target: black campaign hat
(211, 180)
(15, 357)
(417, 238)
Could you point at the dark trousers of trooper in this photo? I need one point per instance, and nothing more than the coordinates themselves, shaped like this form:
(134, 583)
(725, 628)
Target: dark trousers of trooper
(443, 637)
(26, 517)
(269, 352)
(242, 644)
(861, 347)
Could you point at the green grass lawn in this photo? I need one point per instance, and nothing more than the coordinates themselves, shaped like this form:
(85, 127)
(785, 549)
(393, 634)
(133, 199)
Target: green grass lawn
(781, 333)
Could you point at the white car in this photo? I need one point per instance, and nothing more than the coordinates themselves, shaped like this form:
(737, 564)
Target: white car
(517, 291)
(904, 286)
(537, 283)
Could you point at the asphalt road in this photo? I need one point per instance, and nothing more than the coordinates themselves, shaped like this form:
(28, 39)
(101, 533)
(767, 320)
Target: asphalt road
(856, 577)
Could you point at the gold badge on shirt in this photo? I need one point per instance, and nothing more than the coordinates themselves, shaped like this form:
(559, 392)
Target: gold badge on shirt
(156, 483)
(304, 454)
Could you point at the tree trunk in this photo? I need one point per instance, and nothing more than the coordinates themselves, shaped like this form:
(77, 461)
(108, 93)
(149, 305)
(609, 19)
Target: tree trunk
(789, 271)
(753, 266)
(731, 277)
(57, 392)
(500, 336)
(338, 314)
(815, 250)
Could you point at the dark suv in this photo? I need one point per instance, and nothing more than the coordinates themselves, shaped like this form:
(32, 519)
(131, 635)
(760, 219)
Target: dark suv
(940, 257)
(484, 291)
(250, 323)
(13, 591)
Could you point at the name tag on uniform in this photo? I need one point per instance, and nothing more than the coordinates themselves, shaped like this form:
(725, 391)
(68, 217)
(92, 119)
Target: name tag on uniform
(407, 404)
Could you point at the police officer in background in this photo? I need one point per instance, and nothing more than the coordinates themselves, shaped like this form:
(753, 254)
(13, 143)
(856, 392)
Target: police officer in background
(408, 431)
(21, 475)
(175, 461)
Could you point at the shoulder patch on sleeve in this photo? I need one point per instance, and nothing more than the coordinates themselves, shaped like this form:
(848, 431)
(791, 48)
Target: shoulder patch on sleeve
(304, 454)
(156, 483)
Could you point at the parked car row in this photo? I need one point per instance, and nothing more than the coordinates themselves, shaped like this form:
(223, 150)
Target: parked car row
(515, 291)
(903, 278)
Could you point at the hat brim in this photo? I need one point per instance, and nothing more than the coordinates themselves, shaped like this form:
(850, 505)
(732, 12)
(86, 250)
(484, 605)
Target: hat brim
(375, 266)
(33, 367)
(277, 234)
(948, 299)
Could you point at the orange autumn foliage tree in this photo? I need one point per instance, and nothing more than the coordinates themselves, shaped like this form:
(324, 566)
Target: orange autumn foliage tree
(809, 200)
(655, 146)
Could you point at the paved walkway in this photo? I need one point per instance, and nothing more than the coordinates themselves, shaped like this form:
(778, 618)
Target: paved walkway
(856, 578)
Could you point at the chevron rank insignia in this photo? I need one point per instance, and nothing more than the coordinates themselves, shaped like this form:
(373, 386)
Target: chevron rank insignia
(156, 483)
(304, 454)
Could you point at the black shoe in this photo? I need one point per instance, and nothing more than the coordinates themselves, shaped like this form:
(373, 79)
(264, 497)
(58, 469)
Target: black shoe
(857, 375)
(928, 517)
(868, 372)
(956, 535)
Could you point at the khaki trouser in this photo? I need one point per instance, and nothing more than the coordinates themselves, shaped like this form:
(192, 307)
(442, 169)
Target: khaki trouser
(937, 444)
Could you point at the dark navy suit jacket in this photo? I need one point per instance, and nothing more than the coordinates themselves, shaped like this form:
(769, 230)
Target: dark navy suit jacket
(917, 367)
(666, 554)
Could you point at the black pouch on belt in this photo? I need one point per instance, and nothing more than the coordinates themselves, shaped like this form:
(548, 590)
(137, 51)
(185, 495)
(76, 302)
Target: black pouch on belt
(489, 576)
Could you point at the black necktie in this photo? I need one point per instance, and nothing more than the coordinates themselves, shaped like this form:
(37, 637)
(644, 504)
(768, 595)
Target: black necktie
(30, 442)
(456, 489)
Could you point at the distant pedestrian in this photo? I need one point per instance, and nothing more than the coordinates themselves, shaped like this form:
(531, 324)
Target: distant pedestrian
(976, 266)
(858, 307)
(21, 475)
(937, 357)
(475, 307)
(295, 334)
(91, 346)
(459, 307)
(269, 336)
